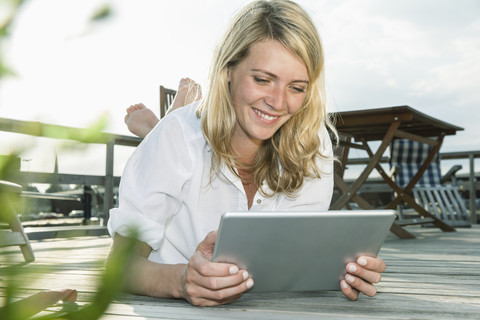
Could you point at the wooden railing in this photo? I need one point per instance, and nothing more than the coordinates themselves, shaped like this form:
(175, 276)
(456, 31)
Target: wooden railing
(108, 181)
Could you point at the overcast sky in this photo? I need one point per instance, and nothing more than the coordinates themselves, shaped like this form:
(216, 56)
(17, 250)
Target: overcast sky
(421, 53)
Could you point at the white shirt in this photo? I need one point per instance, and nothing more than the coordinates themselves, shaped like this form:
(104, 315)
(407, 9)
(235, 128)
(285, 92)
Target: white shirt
(167, 192)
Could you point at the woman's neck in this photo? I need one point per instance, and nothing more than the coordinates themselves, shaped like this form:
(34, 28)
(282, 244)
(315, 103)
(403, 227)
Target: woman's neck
(246, 175)
(245, 149)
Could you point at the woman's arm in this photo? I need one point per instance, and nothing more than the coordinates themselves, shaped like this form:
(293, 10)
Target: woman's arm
(201, 282)
(145, 277)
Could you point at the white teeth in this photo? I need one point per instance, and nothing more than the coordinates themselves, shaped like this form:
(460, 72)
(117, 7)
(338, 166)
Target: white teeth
(264, 116)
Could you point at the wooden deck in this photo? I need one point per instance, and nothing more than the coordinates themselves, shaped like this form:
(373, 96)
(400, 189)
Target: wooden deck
(436, 276)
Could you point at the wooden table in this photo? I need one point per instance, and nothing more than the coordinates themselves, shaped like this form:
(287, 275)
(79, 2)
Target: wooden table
(357, 128)
(435, 276)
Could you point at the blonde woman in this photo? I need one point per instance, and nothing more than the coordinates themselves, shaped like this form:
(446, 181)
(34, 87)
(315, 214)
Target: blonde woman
(256, 141)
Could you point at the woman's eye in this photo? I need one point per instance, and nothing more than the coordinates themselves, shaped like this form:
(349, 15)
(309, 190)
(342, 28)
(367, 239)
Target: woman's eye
(299, 89)
(260, 80)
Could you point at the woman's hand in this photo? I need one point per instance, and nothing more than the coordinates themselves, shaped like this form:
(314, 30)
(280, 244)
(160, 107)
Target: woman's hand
(207, 283)
(361, 276)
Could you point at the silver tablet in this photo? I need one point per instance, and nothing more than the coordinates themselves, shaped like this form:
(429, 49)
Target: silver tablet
(299, 251)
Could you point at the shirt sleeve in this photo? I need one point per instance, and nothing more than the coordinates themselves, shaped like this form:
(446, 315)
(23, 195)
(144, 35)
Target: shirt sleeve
(316, 193)
(153, 183)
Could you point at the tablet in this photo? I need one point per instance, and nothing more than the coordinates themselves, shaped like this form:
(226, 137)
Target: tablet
(299, 251)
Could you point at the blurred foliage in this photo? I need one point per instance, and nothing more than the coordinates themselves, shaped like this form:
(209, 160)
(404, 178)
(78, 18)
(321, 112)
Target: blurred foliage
(4, 70)
(9, 166)
(110, 285)
(102, 13)
(12, 6)
(11, 274)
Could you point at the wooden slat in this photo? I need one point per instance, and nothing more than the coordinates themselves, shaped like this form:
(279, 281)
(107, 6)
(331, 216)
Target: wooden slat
(445, 202)
(10, 238)
(35, 128)
(406, 135)
(435, 276)
(411, 222)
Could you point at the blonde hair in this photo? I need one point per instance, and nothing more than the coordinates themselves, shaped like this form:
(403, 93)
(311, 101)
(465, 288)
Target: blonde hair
(287, 158)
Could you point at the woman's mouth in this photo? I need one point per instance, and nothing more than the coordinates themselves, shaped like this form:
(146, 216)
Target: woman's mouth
(264, 116)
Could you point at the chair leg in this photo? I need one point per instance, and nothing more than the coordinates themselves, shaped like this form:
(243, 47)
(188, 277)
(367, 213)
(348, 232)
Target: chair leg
(16, 226)
(8, 214)
(401, 232)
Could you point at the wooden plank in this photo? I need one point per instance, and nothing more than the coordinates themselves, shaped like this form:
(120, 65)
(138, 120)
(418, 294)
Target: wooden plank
(11, 238)
(435, 276)
(371, 124)
(62, 178)
(39, 233)
(35, 128)
(406, 135)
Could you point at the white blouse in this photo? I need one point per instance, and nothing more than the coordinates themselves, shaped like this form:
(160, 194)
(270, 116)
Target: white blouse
(168, 195)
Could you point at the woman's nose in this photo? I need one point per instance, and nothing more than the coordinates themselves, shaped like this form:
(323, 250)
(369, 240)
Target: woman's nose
(276, 98)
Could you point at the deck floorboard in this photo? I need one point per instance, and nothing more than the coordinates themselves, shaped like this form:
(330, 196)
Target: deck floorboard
(435, 276)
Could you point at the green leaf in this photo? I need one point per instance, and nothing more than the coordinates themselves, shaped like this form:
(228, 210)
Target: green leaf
(102, 13)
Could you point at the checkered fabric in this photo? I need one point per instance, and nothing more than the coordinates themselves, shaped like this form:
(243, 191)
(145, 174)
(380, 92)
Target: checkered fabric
(408, 156)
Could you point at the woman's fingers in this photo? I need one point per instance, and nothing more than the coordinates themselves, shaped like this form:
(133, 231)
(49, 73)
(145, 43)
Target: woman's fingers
(361, 276)
(206, 268)
(348, 291)
(215, 289)
(372, 263)
(207, 283)
(200, 294)
(360, 285)
(215, 281)
(365, 274)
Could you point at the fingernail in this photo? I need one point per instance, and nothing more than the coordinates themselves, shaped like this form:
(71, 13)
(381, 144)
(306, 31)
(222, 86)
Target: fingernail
(249, 283)
(362, 261)
(233, 270)
(350, 278)
(352, 268)
(245, 275)
(343, 284)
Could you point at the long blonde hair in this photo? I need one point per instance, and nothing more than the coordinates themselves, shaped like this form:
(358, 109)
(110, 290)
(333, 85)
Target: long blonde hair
(290, 155)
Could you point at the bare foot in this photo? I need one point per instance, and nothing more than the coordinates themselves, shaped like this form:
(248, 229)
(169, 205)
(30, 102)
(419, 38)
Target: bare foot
(188, 92)
(140, 120)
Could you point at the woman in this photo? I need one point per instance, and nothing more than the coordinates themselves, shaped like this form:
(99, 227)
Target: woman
(257, 141)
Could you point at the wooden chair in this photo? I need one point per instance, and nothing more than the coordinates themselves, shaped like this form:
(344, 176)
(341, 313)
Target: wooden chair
(446, 203)
(430, 193)
(166, 99)
(345, 143)
(15, 235)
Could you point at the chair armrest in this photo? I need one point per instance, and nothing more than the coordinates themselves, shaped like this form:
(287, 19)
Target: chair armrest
(6, 186)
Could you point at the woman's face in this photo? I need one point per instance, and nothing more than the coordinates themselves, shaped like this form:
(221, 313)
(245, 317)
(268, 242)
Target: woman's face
(267, 88)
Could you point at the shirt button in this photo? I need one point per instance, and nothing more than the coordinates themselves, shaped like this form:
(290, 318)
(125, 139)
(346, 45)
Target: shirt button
(259, 201)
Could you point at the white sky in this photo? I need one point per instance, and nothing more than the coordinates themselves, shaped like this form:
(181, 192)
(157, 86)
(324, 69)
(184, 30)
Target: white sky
(421, 53)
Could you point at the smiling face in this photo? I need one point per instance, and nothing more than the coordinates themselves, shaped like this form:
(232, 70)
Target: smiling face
(267, 88)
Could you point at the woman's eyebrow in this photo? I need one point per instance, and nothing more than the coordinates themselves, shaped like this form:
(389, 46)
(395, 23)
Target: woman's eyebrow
(272, 75)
